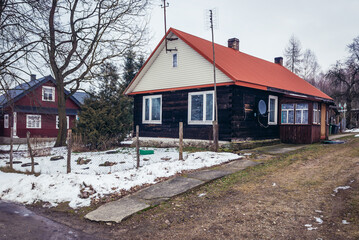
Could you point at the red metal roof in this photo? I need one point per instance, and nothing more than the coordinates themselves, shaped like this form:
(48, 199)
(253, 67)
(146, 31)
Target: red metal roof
(246, 70)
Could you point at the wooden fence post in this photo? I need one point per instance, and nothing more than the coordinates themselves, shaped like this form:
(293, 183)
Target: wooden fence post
(69, 149)
(215, 136)
(11, 147)
(138, 145)
(180, 141)
(30, 152)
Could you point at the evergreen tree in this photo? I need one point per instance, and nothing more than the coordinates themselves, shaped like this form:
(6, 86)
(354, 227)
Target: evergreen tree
(130, 68)
(106, 117)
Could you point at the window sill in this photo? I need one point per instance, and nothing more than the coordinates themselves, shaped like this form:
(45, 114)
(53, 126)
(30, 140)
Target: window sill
(151, 122)
(48, 100)
(200, 123)
(272, 123)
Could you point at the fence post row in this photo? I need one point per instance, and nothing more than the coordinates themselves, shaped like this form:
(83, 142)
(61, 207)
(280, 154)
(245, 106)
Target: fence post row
(69, 147)
(180, 141)
(138, 145)
(30, 152)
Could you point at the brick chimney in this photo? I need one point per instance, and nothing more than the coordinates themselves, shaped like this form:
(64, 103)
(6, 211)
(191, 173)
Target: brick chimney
(233, 43)
(32, 77)
(278, 60)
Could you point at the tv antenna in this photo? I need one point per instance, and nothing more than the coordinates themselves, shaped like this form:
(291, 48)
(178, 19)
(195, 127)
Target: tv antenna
(215, 120)
(164, 6)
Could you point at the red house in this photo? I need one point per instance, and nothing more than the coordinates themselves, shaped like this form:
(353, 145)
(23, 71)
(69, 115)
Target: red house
(32, 107)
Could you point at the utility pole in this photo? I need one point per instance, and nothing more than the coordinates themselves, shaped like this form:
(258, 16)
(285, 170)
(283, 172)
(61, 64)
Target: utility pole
(164, 6)
(215, 120)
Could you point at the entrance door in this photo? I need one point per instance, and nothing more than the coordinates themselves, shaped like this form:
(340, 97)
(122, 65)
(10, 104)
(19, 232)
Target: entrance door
(323, 122)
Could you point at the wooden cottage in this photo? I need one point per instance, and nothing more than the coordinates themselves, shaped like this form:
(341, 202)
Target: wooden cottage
(32, 107)
(257, 99)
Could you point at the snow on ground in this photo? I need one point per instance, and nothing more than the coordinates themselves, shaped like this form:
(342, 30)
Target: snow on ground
(354, 130)
(53, 185)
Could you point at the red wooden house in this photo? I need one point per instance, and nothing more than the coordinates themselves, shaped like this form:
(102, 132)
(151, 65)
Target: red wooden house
(32, 107)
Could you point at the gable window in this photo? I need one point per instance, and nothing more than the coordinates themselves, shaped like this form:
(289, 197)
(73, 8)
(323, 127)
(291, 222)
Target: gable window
(288, 113)
(6, 121)
(174, 60)
(48, 94)
(200, 108)
(33, 121)
(316, 113)
(152, 109)
(273, 110)
(301, 113)
(57, 122)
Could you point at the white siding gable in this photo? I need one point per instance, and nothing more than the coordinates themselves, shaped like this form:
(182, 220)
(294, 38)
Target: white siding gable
(192, 70)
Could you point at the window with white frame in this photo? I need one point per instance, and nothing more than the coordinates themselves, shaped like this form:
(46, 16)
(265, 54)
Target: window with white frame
(152, 109)
(33, 121)
(301, 113)
(6, 121)
(200, 107)
(67, 119)
(316, 113)
(48, 94)
(174, 60)
(272, 110)
(287, 113)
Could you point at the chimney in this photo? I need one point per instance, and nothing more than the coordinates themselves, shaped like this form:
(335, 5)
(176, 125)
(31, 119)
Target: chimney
(278, 60)
(33, 77)
(233, 43)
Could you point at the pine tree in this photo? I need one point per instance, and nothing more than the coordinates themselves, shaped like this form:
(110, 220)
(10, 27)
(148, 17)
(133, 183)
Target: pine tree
(130, 68)
(106, 117)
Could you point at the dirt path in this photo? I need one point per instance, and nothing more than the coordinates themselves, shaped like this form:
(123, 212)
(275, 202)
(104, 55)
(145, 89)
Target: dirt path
(285, 198)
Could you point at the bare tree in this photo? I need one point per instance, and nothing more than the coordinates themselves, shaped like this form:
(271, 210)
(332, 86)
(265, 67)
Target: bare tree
(293, 55)
(344, 77)
(80, 35)
(309, 66)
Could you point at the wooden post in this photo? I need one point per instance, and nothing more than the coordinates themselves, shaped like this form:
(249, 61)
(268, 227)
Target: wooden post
(30, 152)
(138, 145)
(11, 147)
(180, 141)
(69, 148)
(215, 136)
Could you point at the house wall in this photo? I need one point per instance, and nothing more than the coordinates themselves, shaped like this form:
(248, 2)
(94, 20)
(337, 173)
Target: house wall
(175, 110)
(192, 69)
(300, 133)
(34, 99)
(246, 122)
(236, 109)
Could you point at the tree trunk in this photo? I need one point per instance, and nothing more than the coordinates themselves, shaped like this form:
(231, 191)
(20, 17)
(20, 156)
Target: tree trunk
(61, 106)
(349, 113)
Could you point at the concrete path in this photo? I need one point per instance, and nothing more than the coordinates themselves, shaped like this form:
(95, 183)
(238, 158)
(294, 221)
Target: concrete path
(332, 137)
(119, 210)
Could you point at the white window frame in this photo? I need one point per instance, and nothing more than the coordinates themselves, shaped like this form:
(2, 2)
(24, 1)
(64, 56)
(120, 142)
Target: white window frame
(203, 122)
(27, 121)
(316, 113)
(301, 114)
(150, 121)
(275, 110)
(57, 122)
(287, 110)
(6, 121)
(174, 60)
(43, 93)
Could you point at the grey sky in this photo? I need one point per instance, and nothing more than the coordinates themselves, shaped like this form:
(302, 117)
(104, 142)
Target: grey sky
(265, 26)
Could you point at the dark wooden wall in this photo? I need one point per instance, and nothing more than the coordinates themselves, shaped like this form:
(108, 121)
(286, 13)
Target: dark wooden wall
(175, 110)
(246, 122)
(237, 109)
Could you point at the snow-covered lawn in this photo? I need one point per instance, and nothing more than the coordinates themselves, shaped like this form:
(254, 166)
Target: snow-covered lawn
(54, 186)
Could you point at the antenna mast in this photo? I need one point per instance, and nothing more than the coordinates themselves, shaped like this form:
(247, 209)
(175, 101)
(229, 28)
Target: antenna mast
(164, 6)
(215, 120)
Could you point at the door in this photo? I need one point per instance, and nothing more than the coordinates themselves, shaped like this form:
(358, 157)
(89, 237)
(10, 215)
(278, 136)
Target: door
(323, 122)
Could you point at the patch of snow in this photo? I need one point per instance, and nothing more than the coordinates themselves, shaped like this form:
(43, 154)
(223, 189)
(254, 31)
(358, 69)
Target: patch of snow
(345, 222)
(341, 188)
(318, 211)
(54, 186)
(247, 154)
(202, 194)
(318, 220)
(127, 142)
(354, 130)
(309, 227)
(274, 184)
(356, 135)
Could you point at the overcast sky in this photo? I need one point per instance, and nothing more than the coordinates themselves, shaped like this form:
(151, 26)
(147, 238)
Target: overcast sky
(265, 26)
